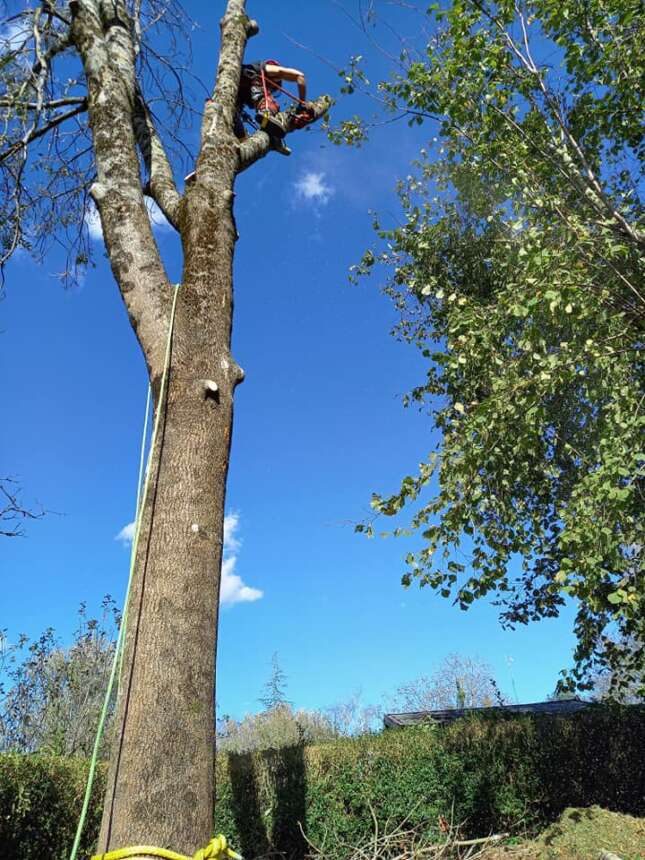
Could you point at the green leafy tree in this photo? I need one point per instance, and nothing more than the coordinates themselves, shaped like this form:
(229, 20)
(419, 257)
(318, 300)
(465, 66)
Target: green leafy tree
(518, 273)
(52, 695)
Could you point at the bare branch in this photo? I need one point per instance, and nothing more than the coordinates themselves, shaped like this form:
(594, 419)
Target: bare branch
(54, 104)
(161, 184)
(35, 133)
(12, 511)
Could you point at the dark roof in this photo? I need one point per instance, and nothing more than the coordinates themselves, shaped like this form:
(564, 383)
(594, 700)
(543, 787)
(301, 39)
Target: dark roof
(557, 707)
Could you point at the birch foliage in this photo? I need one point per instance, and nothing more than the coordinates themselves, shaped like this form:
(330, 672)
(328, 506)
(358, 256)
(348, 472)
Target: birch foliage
(518, 273)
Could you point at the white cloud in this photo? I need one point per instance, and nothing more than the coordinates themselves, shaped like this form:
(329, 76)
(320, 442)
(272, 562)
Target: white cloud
(126, 535)
(313, 187)
(231, 525)
(93, 220)
(232, 589)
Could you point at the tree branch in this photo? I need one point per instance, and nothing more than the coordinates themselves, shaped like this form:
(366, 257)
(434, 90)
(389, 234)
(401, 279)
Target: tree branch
(35, 133)
(259, 144)
(50, 105)
(12, 512)
(584, 173)
(161, 184)
(219, 114)
(102, 33)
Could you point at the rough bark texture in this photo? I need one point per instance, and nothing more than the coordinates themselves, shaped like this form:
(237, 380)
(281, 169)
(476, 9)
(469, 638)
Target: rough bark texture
(160, 783)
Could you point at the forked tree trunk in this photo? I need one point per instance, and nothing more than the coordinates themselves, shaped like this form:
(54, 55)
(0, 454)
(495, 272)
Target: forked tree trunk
(160, 780)
(160, 784)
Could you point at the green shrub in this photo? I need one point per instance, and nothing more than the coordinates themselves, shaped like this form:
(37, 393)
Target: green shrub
(281, 726)
(489, 774)
(40, 801)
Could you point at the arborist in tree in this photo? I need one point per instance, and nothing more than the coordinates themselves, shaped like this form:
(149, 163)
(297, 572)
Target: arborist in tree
(260, 85)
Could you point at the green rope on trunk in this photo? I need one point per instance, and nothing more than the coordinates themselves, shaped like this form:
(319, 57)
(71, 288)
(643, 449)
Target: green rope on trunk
(117, 660)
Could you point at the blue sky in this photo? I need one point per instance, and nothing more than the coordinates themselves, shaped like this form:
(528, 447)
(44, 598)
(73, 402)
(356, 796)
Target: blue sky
(319, 423)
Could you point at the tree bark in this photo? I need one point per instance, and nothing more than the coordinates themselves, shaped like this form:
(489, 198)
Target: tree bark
(160, 781)
(160, 785)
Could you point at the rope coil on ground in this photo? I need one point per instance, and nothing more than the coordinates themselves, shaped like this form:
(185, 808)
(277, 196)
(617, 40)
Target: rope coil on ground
(217, 849)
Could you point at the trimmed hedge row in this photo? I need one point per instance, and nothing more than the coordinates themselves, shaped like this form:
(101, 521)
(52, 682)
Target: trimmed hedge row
(491, 774)
(40, 801)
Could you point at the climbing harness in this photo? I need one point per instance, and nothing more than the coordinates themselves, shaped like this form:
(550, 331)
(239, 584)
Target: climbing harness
(217, 849)
(300, 118)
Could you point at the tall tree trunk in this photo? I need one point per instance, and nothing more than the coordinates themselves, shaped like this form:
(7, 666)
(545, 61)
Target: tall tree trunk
(160, 779)
(160, 784)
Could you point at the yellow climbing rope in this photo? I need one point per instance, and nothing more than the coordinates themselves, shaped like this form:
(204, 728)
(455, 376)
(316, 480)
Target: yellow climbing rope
(217, 849)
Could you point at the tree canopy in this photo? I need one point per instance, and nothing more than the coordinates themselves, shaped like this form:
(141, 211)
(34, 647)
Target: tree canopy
(518, 273)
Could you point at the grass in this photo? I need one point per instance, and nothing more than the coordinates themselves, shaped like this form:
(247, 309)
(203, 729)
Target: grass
(581, 834)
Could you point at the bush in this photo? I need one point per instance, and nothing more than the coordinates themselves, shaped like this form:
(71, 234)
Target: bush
(491, 774)
(40, 802)
(280, 726)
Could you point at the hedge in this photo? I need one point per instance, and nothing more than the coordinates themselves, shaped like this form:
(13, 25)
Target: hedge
(40, 800)
(489, 774)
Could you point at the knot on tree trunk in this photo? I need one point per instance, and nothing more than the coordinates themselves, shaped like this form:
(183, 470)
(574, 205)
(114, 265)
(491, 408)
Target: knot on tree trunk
(252, 28)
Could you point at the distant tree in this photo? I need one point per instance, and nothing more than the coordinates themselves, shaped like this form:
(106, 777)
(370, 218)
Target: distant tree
(276, 727)
(352, 717)
(273, 693)
(52, 695)
(562, 695)
(458, 682)
(517, 270)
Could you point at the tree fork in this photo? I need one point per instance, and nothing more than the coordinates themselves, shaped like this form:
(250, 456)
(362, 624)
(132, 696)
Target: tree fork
(160, 778)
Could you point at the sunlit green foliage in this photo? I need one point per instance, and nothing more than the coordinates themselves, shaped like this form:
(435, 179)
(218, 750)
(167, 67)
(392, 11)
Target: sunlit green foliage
(518, 272)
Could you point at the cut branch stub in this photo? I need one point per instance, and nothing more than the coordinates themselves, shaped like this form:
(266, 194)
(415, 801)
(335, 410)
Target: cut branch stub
(259, 144)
